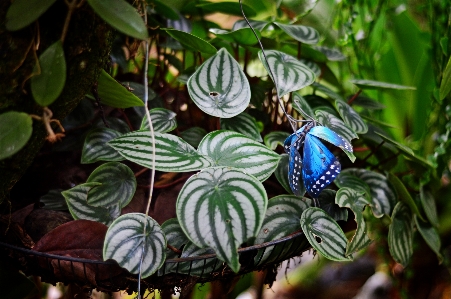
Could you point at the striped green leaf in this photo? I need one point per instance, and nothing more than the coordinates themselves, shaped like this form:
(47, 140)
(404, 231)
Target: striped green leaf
(301, 106)
(172, 154)
(163, 120)
(327, 203)
(400, 234)
(96, 148)
(324, 234)
(313, 66)
(242, 36)
(221, 208)
(193, 135)
(429, 207)
(196, 267)
(127, 244)
(335, 124)
(404, 195)
(228, 148)
(259, 25)
(431, 236)
(54, 200)
(371, 84)
(346, 179)
(219, 87)
(242, 123)
(383, 195)
(356, 201)
(331, 54)
(290, 74)
(281, 174)
(303, 34)
(118, 185)
(327, 91)
(275, 138)
(176, 238)
(77, 202)
(351, 117)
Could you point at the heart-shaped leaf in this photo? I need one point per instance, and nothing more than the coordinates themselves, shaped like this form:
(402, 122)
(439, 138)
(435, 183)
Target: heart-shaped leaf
(327, 200)
(275, 138)
(431, 236)
(172, 154)
(115, 95)
(346, 179)
(230, 203)
(118, 185)
(96, 148)
(242, 123)
(324, 234)
(371, 84)
(219, 87)
(196, 267)
(193, 135)
(163, 120)
(174, 236)
(15, 131)
(281, 174)
(351, 117)
(331, 54)
(19, 14)
(429, 207)
(313, 66)
(356, 201)
(290, 74)
(259, 25)
(121, 16)
(191, 42)
(301, 106)
(303, 34)
(134, 238)
(400, 234)
(49, 83)
(243, 36)
(228, 148)
(335, 124)
(77, 202)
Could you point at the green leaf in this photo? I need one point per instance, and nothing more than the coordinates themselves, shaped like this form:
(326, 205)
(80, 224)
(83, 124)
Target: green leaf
(118, 185)
(114, 123)
(77, 202)
(367, 103)
(259, 25)
(242, 123)
(431, 236)
(290, 74)
(229, 8)
(195, 267)
(126, 243)
(172, 154)
(228, 148)
(335, 124)
(429, 207)
(219, 87)
(445, 84)
(230, 203)
(54, 200)
(327, 91)
(174, 236)
(301, 106)
(370, 84)
(347, 179)
(275, 138)
(313, 66)
(331, 54)
(351, 117)
(193, 135)
(15, 131)
(96, 148)
(19, 14)
(48, 85)
(138, 90)
(121, 16)
(327, 203)
(324, 234)
(243, 36)
(191, 42)
(163, 9)
(281, 174)
(115, 95)
(303, 34)
(400, 234)
(163, 120)
(356, 201)
(404, 195)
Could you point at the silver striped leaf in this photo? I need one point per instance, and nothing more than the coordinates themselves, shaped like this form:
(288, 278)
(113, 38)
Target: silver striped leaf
(356, 201)
(327, 203)
(172, 154)
(400, 234)
(324, 234)
(163, 120)
(301, 106)
(193, 135)
(431, 236)
(77, 202)
(196, 267)
(228, 148)
(331, 54)
(371, 84)
(351, 117)
(260, 25)
(303, 34)
(126, 243)
(281, 219)
(327, 91)
(118, 185)
(290, 74)
(54, 200)
(428, 203)
(96, 149)
(176, 238)
(219, 87)
(242, 123)
(275, 138)
(281, 174)
(335, 124)
(221, 208)
(383, 195)
(313, 66)
(347, 179)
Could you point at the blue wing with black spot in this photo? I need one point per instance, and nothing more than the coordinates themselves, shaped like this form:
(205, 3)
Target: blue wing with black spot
(320, 167)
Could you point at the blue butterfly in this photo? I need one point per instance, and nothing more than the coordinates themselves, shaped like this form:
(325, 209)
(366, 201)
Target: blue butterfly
(318, 165)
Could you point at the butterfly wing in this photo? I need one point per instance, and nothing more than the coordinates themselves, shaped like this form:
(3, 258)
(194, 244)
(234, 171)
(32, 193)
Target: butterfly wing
(330, 136)
(295, 139)
(294, 170)
(320, 166)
